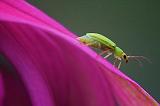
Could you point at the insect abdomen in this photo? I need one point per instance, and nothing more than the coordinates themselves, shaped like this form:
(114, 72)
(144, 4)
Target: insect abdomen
(89, 41)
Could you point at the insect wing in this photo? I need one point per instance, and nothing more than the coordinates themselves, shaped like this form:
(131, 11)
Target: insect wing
(102, 39)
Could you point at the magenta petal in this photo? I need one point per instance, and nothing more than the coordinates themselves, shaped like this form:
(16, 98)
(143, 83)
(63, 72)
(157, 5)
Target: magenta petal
(1, 89)
(13, 85)
(53, 69)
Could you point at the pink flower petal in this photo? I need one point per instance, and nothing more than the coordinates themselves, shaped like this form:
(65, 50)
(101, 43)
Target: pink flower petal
(51, 68)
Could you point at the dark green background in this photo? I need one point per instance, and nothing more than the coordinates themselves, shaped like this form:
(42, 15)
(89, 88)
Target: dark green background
(133, 24)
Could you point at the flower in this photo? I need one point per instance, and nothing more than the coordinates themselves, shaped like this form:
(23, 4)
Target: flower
(44, 65)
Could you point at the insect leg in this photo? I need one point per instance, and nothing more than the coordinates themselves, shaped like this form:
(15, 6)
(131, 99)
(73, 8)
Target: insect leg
(110, 53)
(115, 61)
(103, 52)
(119, 65)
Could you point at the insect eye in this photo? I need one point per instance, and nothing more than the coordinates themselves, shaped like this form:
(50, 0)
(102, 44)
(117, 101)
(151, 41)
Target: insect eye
(124, 56)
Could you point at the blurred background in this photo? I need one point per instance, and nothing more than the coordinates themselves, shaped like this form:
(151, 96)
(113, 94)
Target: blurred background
(133, 24)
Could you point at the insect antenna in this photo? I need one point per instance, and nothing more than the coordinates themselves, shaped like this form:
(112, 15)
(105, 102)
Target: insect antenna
(139, 59)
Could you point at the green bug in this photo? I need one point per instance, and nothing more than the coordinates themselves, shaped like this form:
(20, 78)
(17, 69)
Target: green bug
(101, 42)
